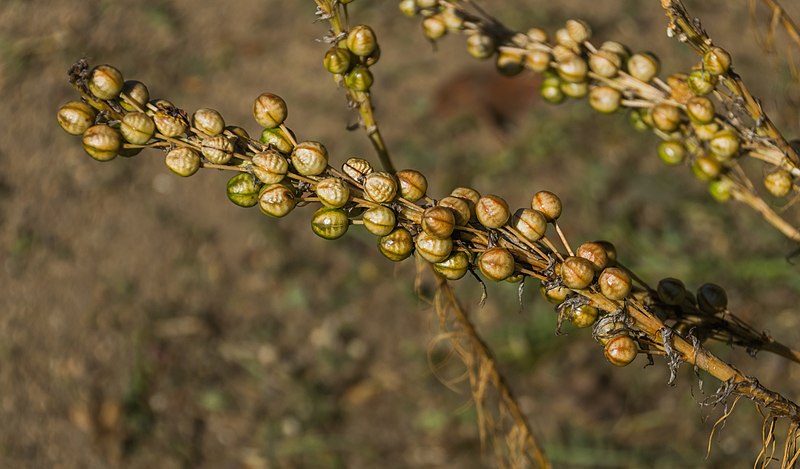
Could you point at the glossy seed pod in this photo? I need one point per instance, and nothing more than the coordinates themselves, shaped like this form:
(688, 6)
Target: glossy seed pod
(700, 109)
(359, 78)
(615, 283)
(481, 46)
(563, 39)
(337, 60)
(538, 60)
(243, 190)
(706, 168)
(459, 207)
(412, 184)
(578, 30)
(276, 200)
(637, 119)
(183, 161)
(217, 150)
(361, 40)
(434, 27)
(582, 316)
(75, 117)
(373, 58)
(270, 166)
(408, 7)
(277, 139)
(716, 61)
(453, 19)
(572, 68)
(712, 299)
(135, 96)
(137, 127)
(666, 117)
(454, 267)
(594, 253)
(532, 224)
(778, 183)
(310, 158)
(492, 211)
(701, 82)
(270, 110)
(705, 132)
(604, 99)
(102, 142)
(671, 291)
(679, 87)
(721, 189)
(621, 350)
(574, 90)
(397, 245)
(357, 168)
(509, 62)
(329, 223)
(438, 221)
(547, 203)
(333, 192)
(536, 35)
(724, 144)
(643, 66)
(577, 272)
(605, 63)
(105, 82)
(550, 90)
(611, 251)
(467, 193)
(379, 220)
(496, 264)
(380, 187)
(170, 124)
(671, 152)
(208, 121)
(433, 249)
(618, 48)
(555, 295)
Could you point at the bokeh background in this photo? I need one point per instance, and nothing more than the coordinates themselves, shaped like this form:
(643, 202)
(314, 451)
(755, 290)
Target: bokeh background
(147, 322)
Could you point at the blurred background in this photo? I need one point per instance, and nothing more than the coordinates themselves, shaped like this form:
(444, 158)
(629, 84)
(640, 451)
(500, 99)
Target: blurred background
(147, 322)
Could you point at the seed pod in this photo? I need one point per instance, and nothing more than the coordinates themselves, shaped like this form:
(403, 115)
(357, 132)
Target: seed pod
(578, 30)
(604, 99)
(666, 117)
(276, 200)
(408, 7)
(551, 90)
(724, 145)
(270, 166)
(137, 127)
(594, 253)
(183, 161)
(582, 316)
(329, 223)
(480, 46)
(611, 251)
(538, 60)
(380, 187)
(547, 203)
(438, 221)
(555, 295)
(716, 61)
(671, 152)
(453, 19)
(169, 123)
(712, 299)
(277, 139)
(721, 189)
(572, 68)
(467, 193)
(701, 83)
(337, 60)
(605, 63)
(102, 142)
(359, 78)
(700, 109)
(243, 190)
(310, 158)
(397, 245)
(532, 224)
(706, 167)
(637, 119)
(333, 192)
(208, 121)
(577, 272)
(778, 183)
(75, 117)
(536, 35)
(379, 220)
(433, 249)
(574, 90)
(492, 211)
(643, 66)
(454, 267)
(218, 149)
(681, 93)
(615, 283)
(705, 132)
(509, 62)
(616, 47)
(434, 27)
(459, 207)
(621, 350)
(413, 184)
(361, 40)
(496, 264)
(563, 39)
(357, 168)
(270, 110)
(105, 82)
(671, 291)
(135, 96)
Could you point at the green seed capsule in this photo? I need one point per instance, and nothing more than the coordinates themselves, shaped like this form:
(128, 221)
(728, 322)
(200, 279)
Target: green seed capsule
(583, 316)
(720, 189)
(575, 90)
(270, 110)
(102, 142)
(359, 78)
(337, 60)
(183, 161)
(701, 82)
(397, 245)
(555, 295)
(333, 192)
(671, 152)
(75, 117)
(706, 167)
(716, 61)
(454, 267)
(779, 183)
(361, 40)
(330, 223)
(105, 82)
(551, 92)
(276, 200)
(243, 190)
(700, 109)
(276, 139)
(379, 220)
(724, 145)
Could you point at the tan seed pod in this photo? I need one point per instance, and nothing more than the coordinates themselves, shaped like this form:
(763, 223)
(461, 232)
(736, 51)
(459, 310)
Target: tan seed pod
(621, 350)
(616, 47)
(270, 110)
(357, 168)
(572, 68)
(379, 220)
(582, 316)
(380, 187)
(509, 62)
(666, 117)
(183, 161)
(605, 63)
(135, 96)
(434, 27)
(137, 128)
(105, 82)
(270, 166)
(604, 99)
(547, 203)
(578, 30)
(594, 253)
(277, 139)
(433, 249)
(779, 183)
(563, 38)
(643, 66)
(361, 40)
(680, 91)
(75, 117)
(102, 142)
(492, 211)
(338, 60)
(454, 267)
(724, 144)
(700, 109)
(531, 223)
(671, 291)
(555, 295)
(329, 223)
(672, 152)
(459, 207)
(496, 264)
(577, 272)
(705, 132)
(217, 149)
(611, 251)
(243, 189)
(453, 19)
(537, 35)
(706, 168)
(466, 193)
(615, 283)
(716, 61)
(333, 192)
(712, 299)
(276, 200)
(438, 221)
(481, 46)
(538, 60)
(397, 245)
(408, 7)
(170, 124)
(574, 90)
(208, 121)
(310, 158)
(721, 189)
(413, 184)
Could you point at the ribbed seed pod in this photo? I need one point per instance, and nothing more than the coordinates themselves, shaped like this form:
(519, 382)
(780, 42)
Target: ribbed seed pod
(135, 96)
(333, 192)
(578, 30)
(594, 253)
(467, 193)
(721, 189)
(170, 124)
(572, 68)
(509, 62)
(380, 187)
(397, 245)
(379, 220)
(459, 207)
(574, 90)
(563, 38)
(724, 144)
(329, 223)
(555, 295)
(547, 203)
(270, 110)
(701, 82)
(611, 251)
(359, 78)
(183, 161)
(671, 291)
(671, 152)
(618, 48)
(413, 184)
(208, 121)
(337, 60)
(604, 99)
(531, 223)
(582, 316)
(577, 272)
(700, 109)
(310, 158)
(357, 168)
(434, 27)
(716, 61)
(496, 264)
(137, 127)
(438, 221)
(270, 166)
(492, 211)
(75, 117)
(778, 183)
(706, 167)
(105, 82)
(621, 350)
(361, 40)
(643, 66)
(605, 63)
(537, 35)
(102, 142)
(481, 46)
(433, 249)
(243, 190)
(454, 267)
(666, 117)
(217, 149)
(538, 59)
(615, 283)
(276, 200)
(712, 299)
(277, 139)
